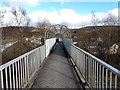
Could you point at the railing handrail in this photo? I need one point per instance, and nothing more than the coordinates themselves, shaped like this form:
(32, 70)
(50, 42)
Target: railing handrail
(109, 67)
(19, 72)
(17, 58)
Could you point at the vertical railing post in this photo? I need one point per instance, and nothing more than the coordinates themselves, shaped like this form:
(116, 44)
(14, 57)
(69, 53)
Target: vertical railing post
(97, 73)
(0, 82)
(1, 30)
(93, 74)
(115, 81)
(103, 77)
(18, 72)
(85, 67)
(6, 77)
(100, 76)
(13, 75)
(26, 71)
(106, 78)
(27, 67)
(16, 69)
(1, 37)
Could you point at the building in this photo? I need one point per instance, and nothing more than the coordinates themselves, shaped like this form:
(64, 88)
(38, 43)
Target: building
(114, 49)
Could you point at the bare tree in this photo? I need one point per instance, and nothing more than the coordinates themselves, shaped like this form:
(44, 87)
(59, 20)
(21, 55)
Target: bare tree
(20, 18)
(94, 20)
(2, 14)
(111, 22)
(44, 23)
(65, 23)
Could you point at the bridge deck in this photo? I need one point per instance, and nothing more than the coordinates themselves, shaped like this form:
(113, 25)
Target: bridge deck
(57, 72)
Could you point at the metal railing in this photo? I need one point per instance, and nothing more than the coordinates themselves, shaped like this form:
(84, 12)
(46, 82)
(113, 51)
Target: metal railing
(18, 72)
(49, 43)
(96, 72)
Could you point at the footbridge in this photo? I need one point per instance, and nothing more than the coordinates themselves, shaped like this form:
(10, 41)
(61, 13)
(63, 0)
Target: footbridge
(58, 65)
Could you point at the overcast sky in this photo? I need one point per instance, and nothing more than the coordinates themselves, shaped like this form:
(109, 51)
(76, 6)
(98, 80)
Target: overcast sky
(75, 13)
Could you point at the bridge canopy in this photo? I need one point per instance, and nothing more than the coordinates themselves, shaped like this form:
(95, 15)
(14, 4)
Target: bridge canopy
(58, 31)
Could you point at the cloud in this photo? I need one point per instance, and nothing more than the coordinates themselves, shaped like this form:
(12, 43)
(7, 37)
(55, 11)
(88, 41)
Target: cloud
(114, 11)
(64, 16)
(69, 16)
(52, 16)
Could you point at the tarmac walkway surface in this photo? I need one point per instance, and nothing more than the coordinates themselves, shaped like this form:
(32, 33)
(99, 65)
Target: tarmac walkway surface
(57, 71)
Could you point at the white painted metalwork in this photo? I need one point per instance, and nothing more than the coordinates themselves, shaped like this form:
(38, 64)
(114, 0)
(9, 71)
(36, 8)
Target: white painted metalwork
(18, 72)
(97, 74)
(49, 44)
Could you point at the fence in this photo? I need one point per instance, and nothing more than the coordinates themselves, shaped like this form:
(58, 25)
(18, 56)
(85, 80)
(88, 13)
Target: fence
(96, 73)
(49, 44)
(18, 72)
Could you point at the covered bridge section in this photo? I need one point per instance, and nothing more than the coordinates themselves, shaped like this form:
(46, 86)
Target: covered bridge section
(58, 31)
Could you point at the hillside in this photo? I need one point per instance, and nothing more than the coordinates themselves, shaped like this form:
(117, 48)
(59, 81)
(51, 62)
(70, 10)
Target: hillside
(13, 32)
(99, 41)
(30, 38)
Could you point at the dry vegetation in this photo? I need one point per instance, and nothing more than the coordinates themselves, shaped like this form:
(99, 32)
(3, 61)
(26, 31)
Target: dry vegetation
(12, 34)
(98, 41)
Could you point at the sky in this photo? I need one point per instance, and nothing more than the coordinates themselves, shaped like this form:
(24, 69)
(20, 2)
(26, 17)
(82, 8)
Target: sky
(74, 13)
